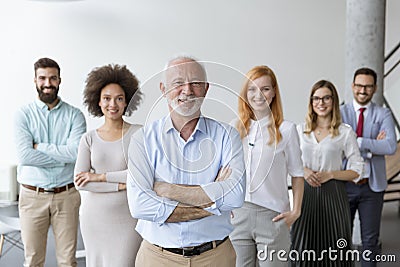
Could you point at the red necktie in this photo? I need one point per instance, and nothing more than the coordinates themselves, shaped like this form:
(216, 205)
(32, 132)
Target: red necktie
(360, 123)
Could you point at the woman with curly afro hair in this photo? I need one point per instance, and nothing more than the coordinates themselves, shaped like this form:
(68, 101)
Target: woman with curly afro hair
(108, 230)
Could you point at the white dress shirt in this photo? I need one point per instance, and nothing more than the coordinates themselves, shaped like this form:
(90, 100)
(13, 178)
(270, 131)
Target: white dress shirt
(367, 163)
(268, 166)
(328, 154)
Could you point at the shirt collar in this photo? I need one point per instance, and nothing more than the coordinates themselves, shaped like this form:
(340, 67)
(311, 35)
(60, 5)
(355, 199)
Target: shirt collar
(266, 121)
(200, 126)
(43, 105)
(167, 124)
(358, 106)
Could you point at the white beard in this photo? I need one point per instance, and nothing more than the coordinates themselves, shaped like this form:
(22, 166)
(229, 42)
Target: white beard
(186, 109)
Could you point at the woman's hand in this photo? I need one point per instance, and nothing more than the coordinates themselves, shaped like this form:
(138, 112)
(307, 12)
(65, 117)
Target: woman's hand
(83, 178)
(324, 177)
(311, 177)
(289, 217)
(121, 187)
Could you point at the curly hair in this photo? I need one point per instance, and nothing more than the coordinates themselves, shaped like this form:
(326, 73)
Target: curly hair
(100, 77)
(246, 112)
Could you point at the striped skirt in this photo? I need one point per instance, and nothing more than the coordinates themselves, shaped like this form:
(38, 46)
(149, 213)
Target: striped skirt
(322, 234)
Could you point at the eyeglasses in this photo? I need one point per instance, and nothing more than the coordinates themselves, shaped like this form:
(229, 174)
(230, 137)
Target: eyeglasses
(325, 99)
(361, 86)
(194, 85)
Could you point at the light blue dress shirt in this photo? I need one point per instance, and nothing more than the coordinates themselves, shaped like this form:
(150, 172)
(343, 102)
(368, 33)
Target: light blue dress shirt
(57, 133)
(158, 153)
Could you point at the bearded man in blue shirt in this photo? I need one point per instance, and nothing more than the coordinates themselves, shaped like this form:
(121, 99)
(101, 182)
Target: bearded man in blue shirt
(47, 133)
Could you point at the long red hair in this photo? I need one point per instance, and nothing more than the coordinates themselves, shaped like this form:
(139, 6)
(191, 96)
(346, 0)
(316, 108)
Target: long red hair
(246, 112)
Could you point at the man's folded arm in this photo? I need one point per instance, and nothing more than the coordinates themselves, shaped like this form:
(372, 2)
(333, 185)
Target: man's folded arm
(27, 155)
(66, 153)
(386, 146)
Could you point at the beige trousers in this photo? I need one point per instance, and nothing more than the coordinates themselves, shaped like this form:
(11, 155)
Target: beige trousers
(150, 256)
(37, 212)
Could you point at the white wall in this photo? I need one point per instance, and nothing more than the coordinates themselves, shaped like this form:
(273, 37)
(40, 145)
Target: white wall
(303, 41)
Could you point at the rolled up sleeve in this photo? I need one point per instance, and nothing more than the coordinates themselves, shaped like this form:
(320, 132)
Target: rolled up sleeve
(293, 152)
(67, 153)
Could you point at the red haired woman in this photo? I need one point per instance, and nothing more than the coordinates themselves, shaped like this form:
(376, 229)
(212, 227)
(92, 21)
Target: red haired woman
(272, 150)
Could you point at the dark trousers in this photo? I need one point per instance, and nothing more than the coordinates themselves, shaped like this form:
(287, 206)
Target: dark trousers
(369, 205)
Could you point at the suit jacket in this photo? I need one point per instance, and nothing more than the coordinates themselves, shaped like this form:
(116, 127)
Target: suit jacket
(378, 119)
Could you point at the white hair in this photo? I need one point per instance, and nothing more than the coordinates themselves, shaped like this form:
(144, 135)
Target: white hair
(182, 56)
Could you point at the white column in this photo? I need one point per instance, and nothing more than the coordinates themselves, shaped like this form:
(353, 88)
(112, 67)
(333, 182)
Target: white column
(365, 42)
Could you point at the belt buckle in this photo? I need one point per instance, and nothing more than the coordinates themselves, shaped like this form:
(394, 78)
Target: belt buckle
(48, 190)
(191, 251)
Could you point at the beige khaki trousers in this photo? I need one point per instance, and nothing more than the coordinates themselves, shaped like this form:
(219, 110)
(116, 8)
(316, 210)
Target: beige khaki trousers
(150, 255)
(37, 212)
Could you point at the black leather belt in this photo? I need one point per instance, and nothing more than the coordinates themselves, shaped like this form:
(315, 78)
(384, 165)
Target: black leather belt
(197, 250)
(54, 190)
(362, 181)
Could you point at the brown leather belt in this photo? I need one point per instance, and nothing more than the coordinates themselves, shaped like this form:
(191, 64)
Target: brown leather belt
(54, 190)
(362, 181)
(197, 250)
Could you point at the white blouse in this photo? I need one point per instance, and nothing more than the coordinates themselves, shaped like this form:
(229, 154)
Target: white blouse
(328, 154)
(268, 166)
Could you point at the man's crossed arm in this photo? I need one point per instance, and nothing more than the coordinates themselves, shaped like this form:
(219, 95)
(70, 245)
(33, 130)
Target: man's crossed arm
(192, 198)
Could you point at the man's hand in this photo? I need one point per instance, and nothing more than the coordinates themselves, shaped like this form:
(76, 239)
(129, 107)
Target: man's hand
(184, 213)
(223, 174)
(191, 195)
(164, 189)
(381, 135)
(83, 178)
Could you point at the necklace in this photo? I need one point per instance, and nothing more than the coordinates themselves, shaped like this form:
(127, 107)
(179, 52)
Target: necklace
(319, 131)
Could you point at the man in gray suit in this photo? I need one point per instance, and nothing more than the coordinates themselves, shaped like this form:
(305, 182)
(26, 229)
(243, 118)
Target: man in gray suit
(376, 138)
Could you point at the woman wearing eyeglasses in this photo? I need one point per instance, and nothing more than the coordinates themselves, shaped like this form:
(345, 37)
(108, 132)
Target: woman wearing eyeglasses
(325, 141)
(272, 152)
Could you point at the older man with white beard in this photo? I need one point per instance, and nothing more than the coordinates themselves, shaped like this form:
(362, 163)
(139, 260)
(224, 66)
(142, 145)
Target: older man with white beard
(186, 173)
